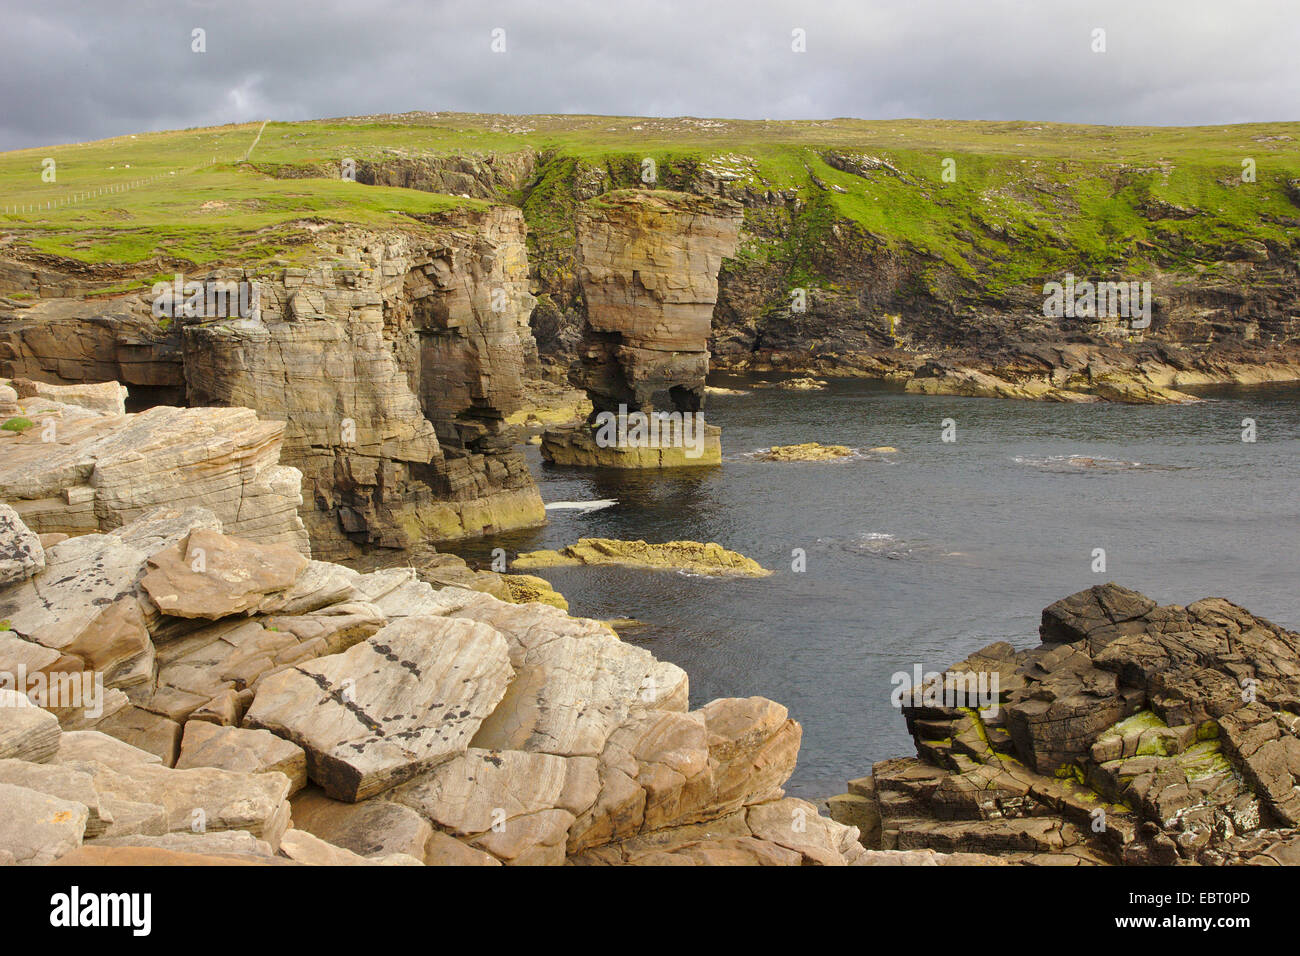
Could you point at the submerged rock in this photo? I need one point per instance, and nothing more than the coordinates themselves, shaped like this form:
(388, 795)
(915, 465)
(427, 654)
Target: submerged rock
(802, 384)
(808, 451)
(671, 555)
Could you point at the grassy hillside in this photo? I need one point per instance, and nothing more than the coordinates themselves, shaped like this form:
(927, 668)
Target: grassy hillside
(1028, 200)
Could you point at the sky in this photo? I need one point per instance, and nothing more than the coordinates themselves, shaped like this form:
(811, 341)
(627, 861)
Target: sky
(72, 72)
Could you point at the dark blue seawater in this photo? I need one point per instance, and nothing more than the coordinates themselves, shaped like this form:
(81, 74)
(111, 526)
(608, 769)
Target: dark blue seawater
(926, 555)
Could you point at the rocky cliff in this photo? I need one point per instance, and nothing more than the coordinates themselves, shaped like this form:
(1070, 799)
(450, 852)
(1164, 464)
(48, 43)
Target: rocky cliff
(302, 711)
(648, 263)
(812, 289)
(393, 361)
(1134, 733)
(910, 250)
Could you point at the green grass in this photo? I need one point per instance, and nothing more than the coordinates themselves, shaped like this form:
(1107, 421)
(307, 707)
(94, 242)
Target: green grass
(1029, 200)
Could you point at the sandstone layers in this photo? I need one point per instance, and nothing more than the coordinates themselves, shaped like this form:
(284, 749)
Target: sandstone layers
(393, 364)
(648, 264)
(85, 465)
(252, 705)
(1134, 733)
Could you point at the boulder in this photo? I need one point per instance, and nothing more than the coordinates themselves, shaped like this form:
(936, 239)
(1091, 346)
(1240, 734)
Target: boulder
(210, 575)
(246, 751)
(407, 698)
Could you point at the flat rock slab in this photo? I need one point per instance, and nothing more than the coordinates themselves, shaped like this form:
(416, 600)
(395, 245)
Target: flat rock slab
(77, 745)
(398, 703)
(219, 841)
(559, 661)
(37, 828)
(471, 793)
(65, 783)
(245, 751)
(211, 575)
(145, 730)
(157, 856)
(309, 850)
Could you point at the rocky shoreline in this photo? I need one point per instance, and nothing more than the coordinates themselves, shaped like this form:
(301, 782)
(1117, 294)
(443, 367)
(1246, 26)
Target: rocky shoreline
(212, 698)
(157, 669)
(1133, 734)
(1054, 372)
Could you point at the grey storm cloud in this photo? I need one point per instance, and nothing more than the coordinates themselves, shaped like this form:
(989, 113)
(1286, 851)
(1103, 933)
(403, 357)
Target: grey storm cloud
(79, 71)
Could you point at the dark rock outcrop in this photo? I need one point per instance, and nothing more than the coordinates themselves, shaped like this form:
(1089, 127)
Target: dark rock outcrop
(1134, 733)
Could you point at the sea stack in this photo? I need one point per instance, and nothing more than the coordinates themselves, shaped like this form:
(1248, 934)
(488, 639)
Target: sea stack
(648, 265)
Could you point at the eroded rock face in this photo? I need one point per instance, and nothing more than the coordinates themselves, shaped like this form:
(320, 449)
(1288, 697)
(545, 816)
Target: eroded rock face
(1135, 733)
(393, 366)
(648, 264)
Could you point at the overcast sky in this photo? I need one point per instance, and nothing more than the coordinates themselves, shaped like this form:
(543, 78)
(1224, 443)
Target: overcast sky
(79, 71)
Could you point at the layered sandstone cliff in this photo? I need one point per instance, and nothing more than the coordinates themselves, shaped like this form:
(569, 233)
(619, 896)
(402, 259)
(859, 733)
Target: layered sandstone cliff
(393, 362)
(74, 462)
(812, 290)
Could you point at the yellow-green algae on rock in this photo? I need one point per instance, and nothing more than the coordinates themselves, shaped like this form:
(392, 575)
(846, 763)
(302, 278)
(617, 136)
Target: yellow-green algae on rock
(528, 588)
(808, 451)
(710, 558)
